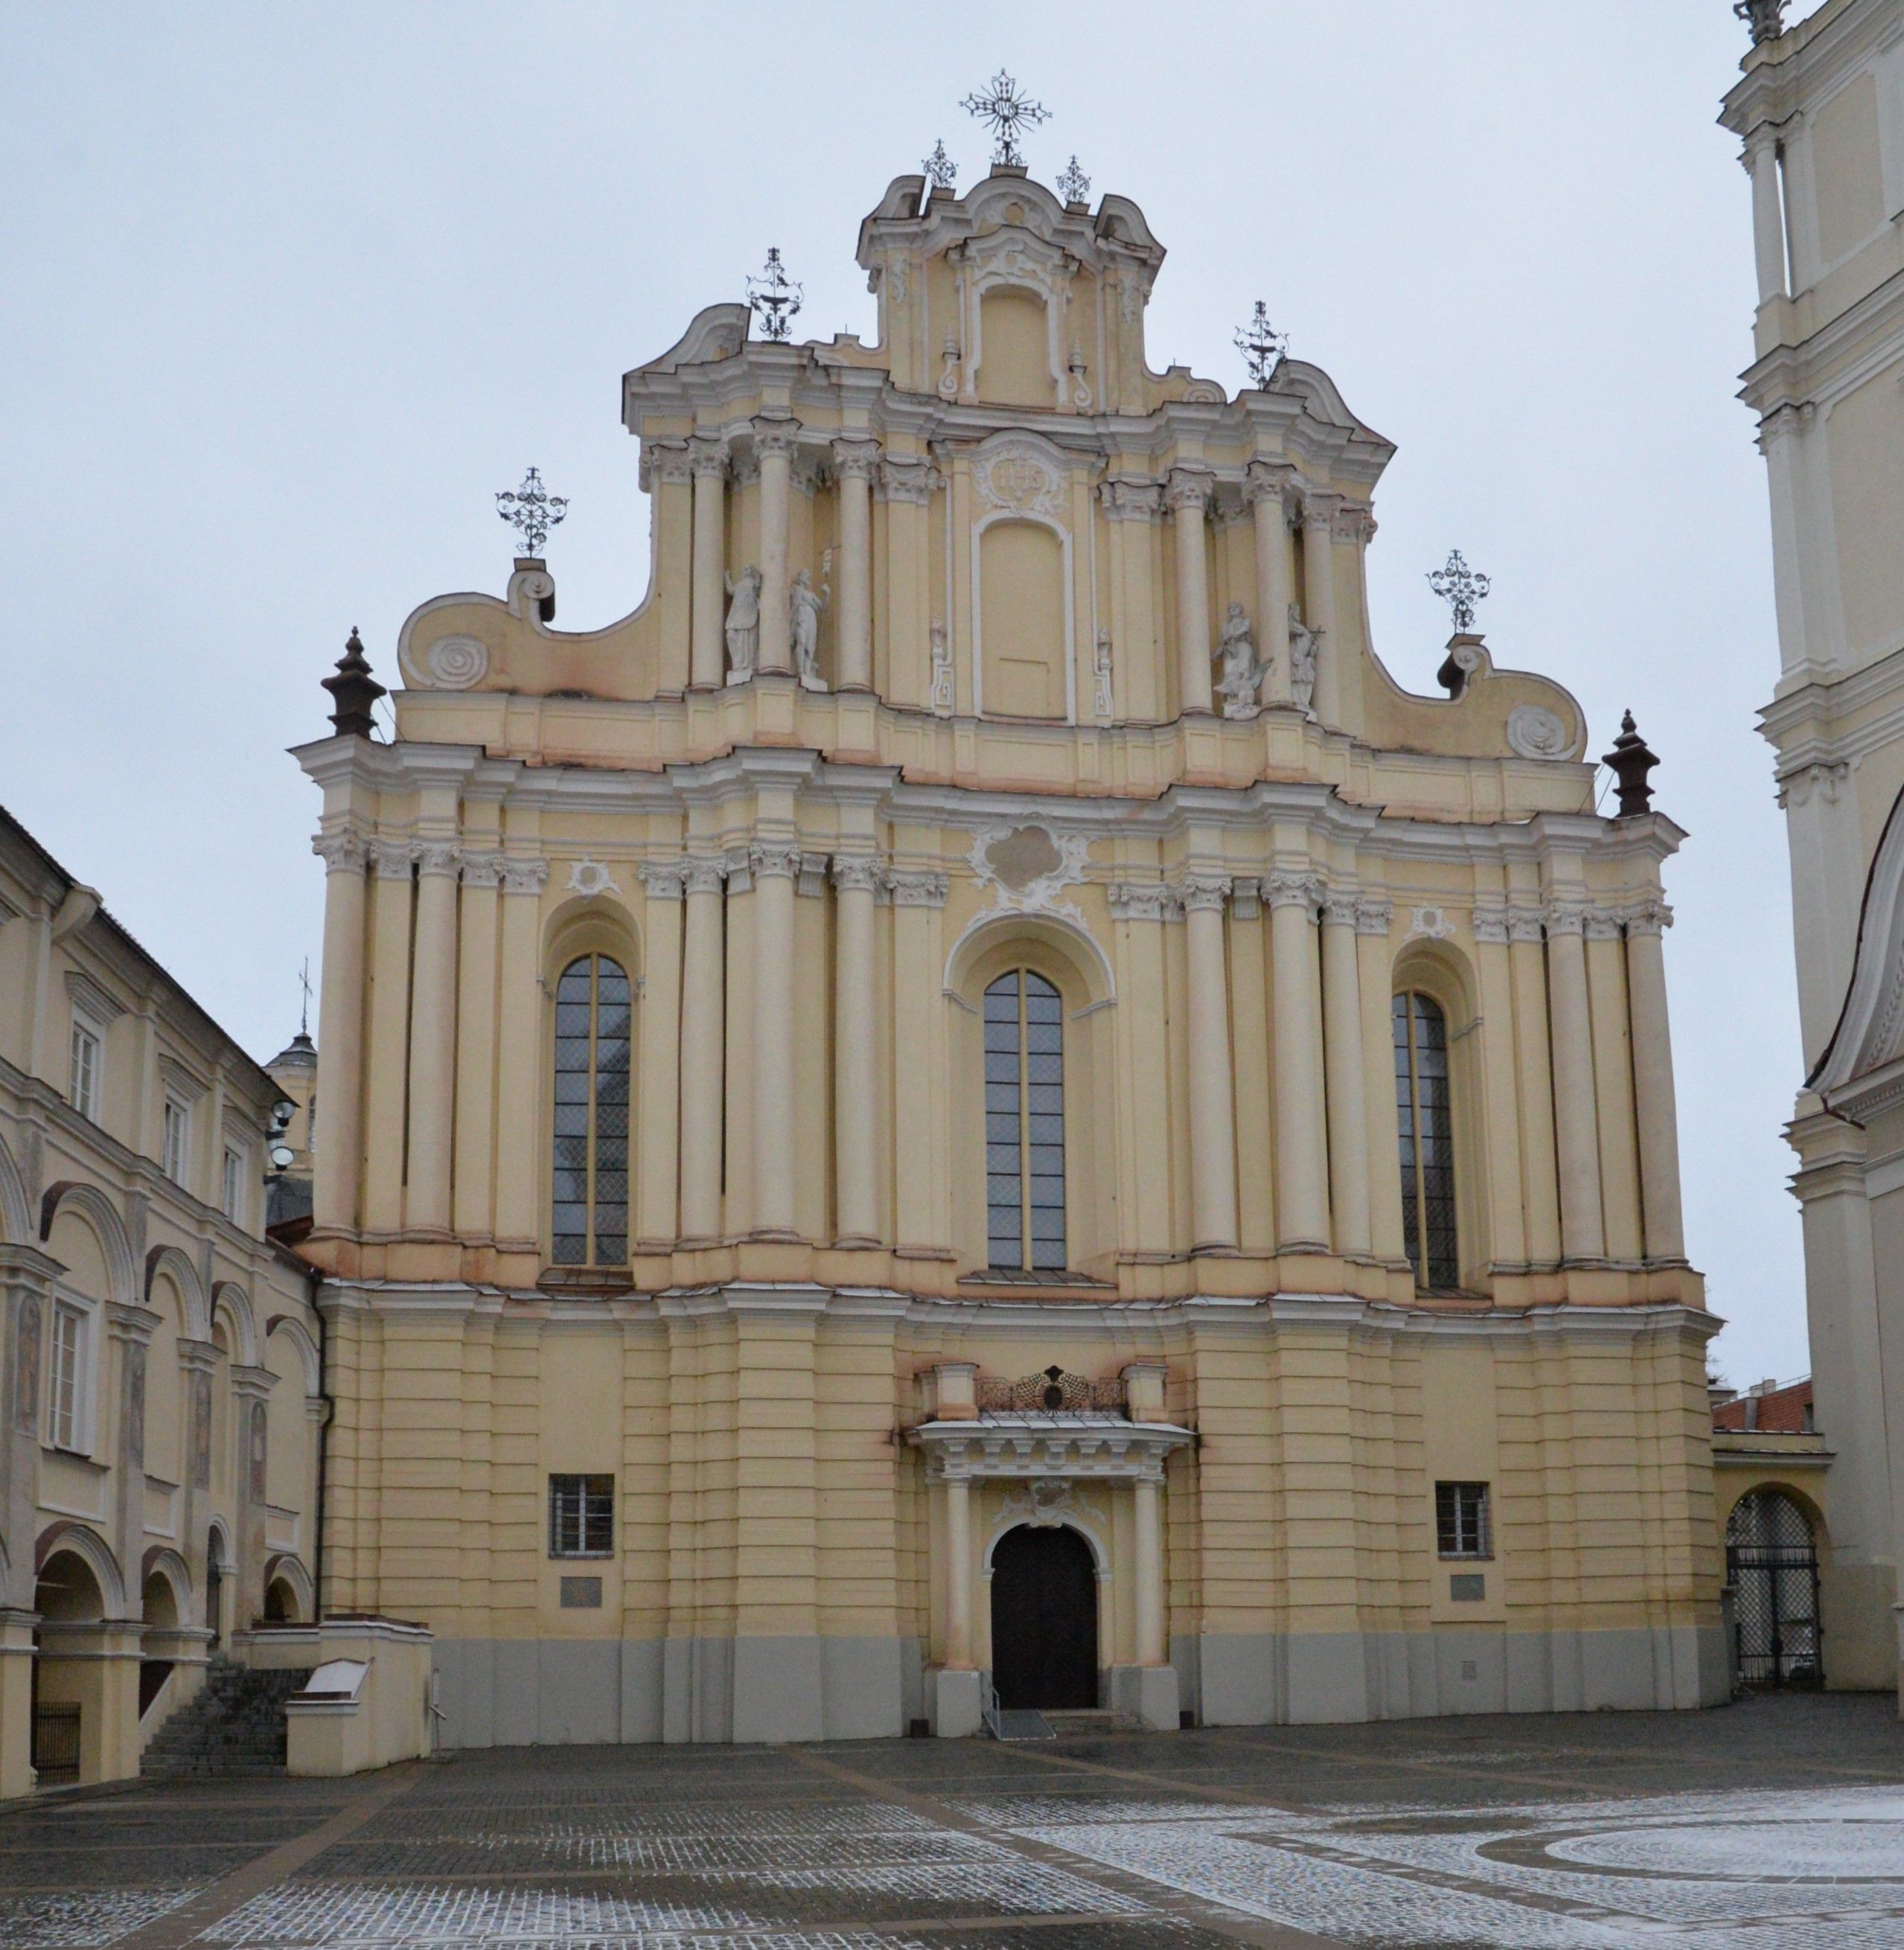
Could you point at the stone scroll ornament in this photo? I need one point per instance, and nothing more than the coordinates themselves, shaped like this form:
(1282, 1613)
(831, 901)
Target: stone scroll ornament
(1533, 732)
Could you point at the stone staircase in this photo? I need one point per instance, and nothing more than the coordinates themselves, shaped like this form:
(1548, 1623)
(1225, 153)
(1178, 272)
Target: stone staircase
(234, 1725)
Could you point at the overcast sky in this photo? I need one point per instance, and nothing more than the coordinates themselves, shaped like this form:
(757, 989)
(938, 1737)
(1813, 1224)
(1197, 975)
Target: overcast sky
(290, 292)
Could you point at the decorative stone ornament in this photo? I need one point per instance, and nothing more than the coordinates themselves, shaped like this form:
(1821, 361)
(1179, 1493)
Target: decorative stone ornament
(941, 171)
(589, 878)
(1533, 732)
(1305, 643)
(1630, 761)
(742, 628)
(354, 690)
(805, 604)
(455, 663)
(1241, 672)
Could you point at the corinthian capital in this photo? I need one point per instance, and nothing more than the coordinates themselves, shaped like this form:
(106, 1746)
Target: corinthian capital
(392, 859)
(703, 875)
(1284, 887)
(904, 477)
(1319, 508)
(1203, 891)
(767, 860)
(439, 858)
(856, 459)
(663, 879)
(708, 453)
(343, 852)
(1268, 481)
(482, 870)
(524, 876)
(857, 873)
(1341, 907)
(1190, 487)
(918, 887)
(775, 434)
(1651, 916)
(1131, 500)
(1564, 918)
(668, 461)
(1374, 916)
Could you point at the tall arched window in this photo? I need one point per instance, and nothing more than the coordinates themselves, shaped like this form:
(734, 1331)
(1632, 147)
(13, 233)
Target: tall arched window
(589, 1222)
(1024, 1123)
(1426, 1123)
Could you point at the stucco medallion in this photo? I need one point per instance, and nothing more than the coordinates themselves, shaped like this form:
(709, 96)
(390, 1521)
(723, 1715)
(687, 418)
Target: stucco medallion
(1535, 732)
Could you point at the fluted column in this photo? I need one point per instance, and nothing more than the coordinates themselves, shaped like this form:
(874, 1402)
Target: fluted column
(1348, 1138)
(1657, 1113)
(1302, 1198)
(340, 1032)
(1576, 1125)
(393, 863)
(707, 665)
(433, 1038)
(1149, 1594)
(703, 1036)
(521, 1195)
(1189, 495)
(1264, 487)
(854, 462)
(775, 866)
(855, 1176)
(1213, 1114)
(774, 437)
(1318, 597)
(958, 1574)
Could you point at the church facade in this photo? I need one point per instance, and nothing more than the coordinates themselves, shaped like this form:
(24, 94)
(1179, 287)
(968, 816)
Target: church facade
(972, 1104)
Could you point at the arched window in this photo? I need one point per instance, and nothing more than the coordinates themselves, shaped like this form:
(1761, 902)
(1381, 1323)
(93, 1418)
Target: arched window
(1024, 1123)
(1425, 1124)
(590, 1223)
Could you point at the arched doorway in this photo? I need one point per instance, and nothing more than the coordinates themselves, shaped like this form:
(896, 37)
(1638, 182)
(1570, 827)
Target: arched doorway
(1771, 1564)
(67, 1597)
(1044, 1619)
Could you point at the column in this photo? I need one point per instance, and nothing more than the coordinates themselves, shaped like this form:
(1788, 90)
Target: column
(1302, 1199)
(1263, 488)
(520, 1193)
(669, 470)
(1760, 161)
(855, 1177)
(704, 1034)
(1149, 1594)
(707, 661)
(1348, 1138)
(129, 1334)
(340, 1032)
(1507, 1229)
(433, 1038)
(1189, 495)
(388, 1064)
(854, 462)
(1534, 1071)
(1319, 597)
(658, 1102)
(958, 1574)
(1613, 1053)
(472, 1205)
(1657, 1114)
(1376, 968)
(905, 485)
(773, 866)
(774, 438)
(918, 1015)
(1213, 1116)
(1576, 1132)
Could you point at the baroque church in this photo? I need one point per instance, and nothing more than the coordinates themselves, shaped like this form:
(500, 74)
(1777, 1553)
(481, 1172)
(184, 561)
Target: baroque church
(972, 1108)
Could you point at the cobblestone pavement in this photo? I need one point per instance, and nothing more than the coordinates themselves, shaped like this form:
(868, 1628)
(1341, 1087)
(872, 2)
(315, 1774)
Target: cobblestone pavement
(1778, 1823)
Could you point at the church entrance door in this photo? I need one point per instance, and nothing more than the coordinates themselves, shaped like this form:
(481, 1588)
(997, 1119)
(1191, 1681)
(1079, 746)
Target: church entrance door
(1044, 1620)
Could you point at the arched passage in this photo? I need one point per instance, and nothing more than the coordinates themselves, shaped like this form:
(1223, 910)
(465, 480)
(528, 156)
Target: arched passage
(1771, 1565)
(1044, 1619)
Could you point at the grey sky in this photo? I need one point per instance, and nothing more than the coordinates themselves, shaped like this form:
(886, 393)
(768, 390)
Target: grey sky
(290, 292)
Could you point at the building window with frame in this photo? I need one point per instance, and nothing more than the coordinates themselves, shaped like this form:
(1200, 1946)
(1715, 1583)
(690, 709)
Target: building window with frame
(581, 1516)
(233, 1185)
(589, 1203)
(1463, 1528)
(176, 1150)
(1425, 1125)
(1024, 1124)
(83, 1091)
(67, 1393)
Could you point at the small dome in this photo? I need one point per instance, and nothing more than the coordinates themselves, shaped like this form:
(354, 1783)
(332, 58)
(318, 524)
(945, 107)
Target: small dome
(300, 1053)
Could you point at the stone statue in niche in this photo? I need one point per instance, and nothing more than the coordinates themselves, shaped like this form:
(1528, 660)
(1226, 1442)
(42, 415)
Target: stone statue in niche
(1304, 643)
(805, 604)
(1241, 672)
(744, 623)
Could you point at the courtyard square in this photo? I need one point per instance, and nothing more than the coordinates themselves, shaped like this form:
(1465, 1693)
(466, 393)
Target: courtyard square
(1778, 1821)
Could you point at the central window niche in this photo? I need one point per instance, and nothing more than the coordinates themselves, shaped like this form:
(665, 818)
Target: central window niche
(1014, 349)
(1022, 619)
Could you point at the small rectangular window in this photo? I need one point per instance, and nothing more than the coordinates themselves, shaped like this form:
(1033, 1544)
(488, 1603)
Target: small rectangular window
(1461, 1521)
(66, 1420)
(178, 1137)
(234, 1185)
(83, 1090)
(581, 1516)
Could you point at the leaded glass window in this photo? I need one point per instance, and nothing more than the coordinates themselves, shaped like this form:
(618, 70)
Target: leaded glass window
(1425, 1124)
(589, 1225)
(1024, 1123)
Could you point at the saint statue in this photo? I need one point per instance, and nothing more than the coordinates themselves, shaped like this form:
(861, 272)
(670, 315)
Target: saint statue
(1241, 672)
(743, 623)
(1304, 643)
(805, 603)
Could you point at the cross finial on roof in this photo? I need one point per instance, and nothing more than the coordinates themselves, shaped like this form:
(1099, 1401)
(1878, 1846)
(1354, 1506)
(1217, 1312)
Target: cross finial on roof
(532, 511)
(1074, 185)
(1460, 587)
(1263, 347)
(1007, 114)
(941, 171)
(304, 982)
(774, 299)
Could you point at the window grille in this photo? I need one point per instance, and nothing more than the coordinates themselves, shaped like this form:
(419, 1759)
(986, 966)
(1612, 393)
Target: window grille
(1425, 1125)
(83, 1092)
(589, 1206)
(1024, 1123)
(581, 1516)
(67, 1408)
(178, 1128)
(1461, 1520)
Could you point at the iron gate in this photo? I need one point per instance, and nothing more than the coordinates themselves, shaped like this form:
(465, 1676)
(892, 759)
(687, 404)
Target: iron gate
(1772, 1564)
(56, 1744)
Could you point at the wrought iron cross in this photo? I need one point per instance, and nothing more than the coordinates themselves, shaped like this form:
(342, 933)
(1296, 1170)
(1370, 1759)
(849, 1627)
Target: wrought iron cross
(940, 170)
(1074, 185)
(1263, 347)
(1007, 114)
(1460, 587)
(774, 299)
(304, 982)
(532, 511)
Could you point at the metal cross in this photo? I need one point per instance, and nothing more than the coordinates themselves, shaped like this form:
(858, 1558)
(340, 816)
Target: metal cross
(1074, 185)
(1007, 114)
(1263, 347)
(304, 982)
(532, 511)
(940, 170)
(774, 299)
(1460, 587)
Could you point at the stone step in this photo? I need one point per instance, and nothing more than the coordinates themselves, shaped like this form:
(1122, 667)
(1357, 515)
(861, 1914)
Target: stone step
(234, 1725)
